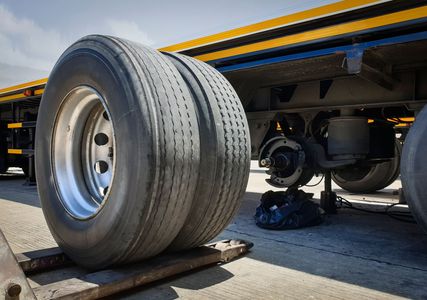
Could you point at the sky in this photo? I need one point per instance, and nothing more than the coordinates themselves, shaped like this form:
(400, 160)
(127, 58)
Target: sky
(33, 34)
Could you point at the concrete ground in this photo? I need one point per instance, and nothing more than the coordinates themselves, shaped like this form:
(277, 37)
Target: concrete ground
(351, 255)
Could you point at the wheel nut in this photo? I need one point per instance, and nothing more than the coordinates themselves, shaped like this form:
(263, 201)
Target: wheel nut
(266, 162)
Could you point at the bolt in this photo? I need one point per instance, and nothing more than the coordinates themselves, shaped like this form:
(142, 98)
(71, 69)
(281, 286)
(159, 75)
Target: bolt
(13, 290)
(266, 162)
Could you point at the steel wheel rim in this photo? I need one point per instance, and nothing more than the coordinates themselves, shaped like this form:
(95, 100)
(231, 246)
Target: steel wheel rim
(83, 148)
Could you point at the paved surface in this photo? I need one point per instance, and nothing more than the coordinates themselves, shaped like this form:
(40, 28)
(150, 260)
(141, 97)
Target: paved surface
(351, 255)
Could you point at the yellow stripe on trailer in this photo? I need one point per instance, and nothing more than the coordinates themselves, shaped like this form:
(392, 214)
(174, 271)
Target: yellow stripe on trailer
(331, 31)
(310, 14)
(14, 125)
(19, 96)
(14, 151)
(23, 86)
(12, 97)
(38, 92)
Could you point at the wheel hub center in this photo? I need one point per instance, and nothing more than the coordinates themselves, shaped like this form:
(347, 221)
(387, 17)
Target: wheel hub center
(83, 152)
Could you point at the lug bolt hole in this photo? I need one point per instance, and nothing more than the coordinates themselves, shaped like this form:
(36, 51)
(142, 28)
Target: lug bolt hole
(105, 115)
(101, 167)
(101, 139)
(105, 190)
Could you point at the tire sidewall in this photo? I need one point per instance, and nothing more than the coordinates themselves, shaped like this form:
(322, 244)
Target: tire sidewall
(413, 169)
(134, 139)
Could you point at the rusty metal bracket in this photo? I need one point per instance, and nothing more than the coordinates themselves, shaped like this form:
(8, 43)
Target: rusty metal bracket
(105, 282)
(13, 282)
(42, 260)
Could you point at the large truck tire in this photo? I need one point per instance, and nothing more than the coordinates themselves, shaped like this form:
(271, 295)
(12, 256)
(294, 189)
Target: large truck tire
(414, 169)
(369, 179)
(225, 152)
(117, 152)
